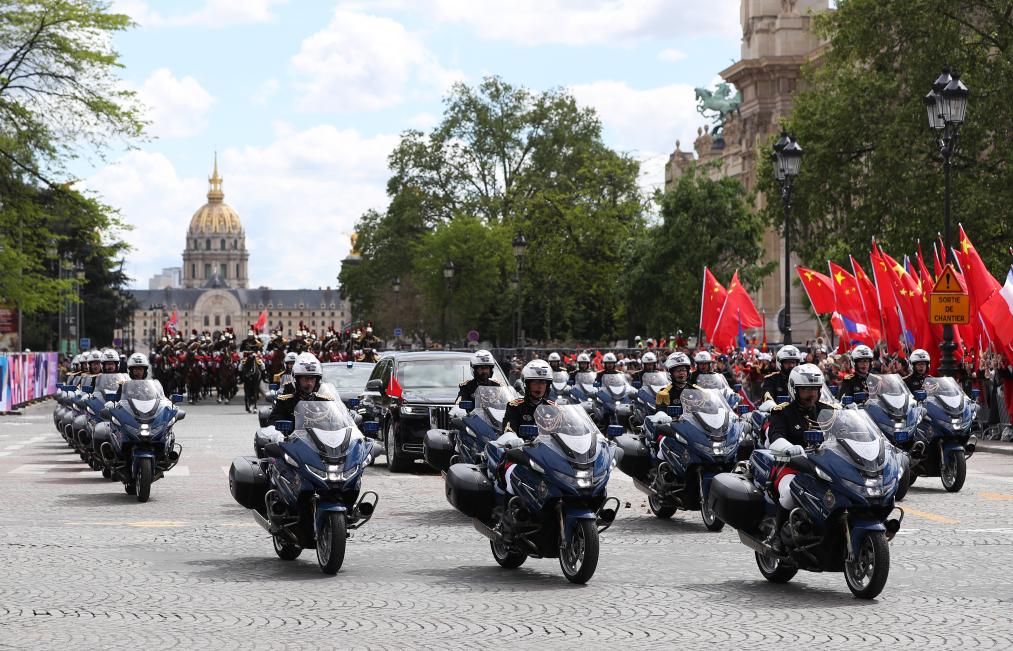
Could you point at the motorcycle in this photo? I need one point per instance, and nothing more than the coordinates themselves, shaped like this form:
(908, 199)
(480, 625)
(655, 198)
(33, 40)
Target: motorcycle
(674, 461)
(893, 409)
(306, 491)
(845, 490)
(90, 405)
(943, 440)
(719, 383)
(136, 442)
(560, 474)
(645, 402)
(582, 387)
(466, 441)
(560, 380)
(612, 403)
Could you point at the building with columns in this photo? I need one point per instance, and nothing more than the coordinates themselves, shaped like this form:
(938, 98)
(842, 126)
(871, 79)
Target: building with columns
(215, 292)
(777, 40)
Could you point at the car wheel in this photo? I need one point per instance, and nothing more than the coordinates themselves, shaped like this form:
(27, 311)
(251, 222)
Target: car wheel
(396, 461)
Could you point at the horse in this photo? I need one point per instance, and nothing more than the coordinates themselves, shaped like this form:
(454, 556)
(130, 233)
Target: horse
(227, 383)
(252, 375)
(194, 379)
(721, 101)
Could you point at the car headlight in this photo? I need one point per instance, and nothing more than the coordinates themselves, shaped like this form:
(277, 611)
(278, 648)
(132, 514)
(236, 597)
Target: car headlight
(409, 410)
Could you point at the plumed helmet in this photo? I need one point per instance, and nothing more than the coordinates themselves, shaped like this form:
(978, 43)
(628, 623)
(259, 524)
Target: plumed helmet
(861, 352)
(702, 357)
(919, 355)
(609, 357)
(676, 359)
(805, 375)
(554, 357)
(537, 369)
(482, 358)
(307, 365)
(649, 358)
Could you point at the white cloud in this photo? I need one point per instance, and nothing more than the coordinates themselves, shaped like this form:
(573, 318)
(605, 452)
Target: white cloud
(176, 107)
(583, 22)
(265, 91)
(214, 13)
(362, 62)
(671, 54)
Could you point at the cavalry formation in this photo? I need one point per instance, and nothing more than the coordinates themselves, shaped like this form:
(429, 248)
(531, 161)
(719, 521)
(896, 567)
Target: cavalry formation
(810, 479)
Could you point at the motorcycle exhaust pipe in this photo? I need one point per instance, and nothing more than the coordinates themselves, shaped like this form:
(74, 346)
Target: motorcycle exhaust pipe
(485, 531)
(262, 521)
(607, 516)
(366, 509)
(892, 527)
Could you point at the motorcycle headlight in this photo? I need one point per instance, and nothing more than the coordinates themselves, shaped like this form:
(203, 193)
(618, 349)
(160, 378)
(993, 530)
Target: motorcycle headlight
(822, 474)
(145, 430)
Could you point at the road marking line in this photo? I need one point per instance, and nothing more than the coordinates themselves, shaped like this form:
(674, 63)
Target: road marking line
(941, 519)
(997, 496)
(178, 471)
(150, 524)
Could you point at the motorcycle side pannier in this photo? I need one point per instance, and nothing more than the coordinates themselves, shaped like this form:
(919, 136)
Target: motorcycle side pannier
(437, 449)
(248, 482)
(636, 459)
(470, 491)
(736, 501)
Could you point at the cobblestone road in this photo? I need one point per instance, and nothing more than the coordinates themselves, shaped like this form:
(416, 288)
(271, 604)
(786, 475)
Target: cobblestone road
(86, 566)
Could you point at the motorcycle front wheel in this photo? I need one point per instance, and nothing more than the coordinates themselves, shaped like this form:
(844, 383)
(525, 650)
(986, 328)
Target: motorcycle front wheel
(711, 521)
(331, 542)
(578, 557)
(954, 471)
(866, 574)
(144, 480)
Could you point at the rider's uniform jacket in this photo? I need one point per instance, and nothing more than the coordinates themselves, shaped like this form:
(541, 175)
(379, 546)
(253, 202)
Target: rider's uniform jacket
(639, 375)
(789, 421)
(915, 382)
(601, 374)
(670, 395)
(466, 390)
(521, 412)
(284, 405)
(283, 377)
(774, 385)
(852, 384)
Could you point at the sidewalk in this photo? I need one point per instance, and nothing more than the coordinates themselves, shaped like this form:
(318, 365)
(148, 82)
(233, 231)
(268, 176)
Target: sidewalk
(995, 447)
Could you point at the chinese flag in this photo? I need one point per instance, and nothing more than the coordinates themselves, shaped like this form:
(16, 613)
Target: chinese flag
(712, 299)
(850, 305)
(998, 311)
(394, 387)
(887, 301)
(980, 287)
(818, 288)
(597, 363)
(867, 291)
(738, 311)
(909, 300)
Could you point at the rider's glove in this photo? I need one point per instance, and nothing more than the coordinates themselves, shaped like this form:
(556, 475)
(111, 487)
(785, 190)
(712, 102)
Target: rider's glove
(795, 451)
(457, 412)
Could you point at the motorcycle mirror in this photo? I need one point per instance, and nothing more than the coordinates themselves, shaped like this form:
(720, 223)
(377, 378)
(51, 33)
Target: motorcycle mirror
(834, 390)
(975, 394)
(466, 405)
(921, 395)
(371, 427)
(105, 413)
(286, 427)
(273, 386)
(674, 411)
(814, 437)
(352, 403)
(637, 384)
(273, 449)
(847, 400)
(177, 397)
(528, 431)
(614, 431)
(783, 399)
(180, 414)
(519, 387)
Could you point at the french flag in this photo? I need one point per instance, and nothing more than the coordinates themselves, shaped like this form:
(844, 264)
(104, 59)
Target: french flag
(998, 310)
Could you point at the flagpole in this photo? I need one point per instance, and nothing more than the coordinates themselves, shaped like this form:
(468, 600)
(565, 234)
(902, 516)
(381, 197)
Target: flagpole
(703, 295)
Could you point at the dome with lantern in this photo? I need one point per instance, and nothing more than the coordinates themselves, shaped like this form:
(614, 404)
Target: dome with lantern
(215, 242)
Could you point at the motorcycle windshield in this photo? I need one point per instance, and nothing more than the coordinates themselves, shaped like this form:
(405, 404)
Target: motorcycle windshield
(559, 380)
(328, 423)
(586, 380)
(890, 392)
(946, 393)
(570, 428)
(142, 397)
(654, 382)
(707, 408)
(490, 404)
(109, 382)
(615, 383)
(852, 435)
(713, 381)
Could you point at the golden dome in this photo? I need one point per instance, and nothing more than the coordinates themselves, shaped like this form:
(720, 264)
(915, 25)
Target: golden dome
(215, 216)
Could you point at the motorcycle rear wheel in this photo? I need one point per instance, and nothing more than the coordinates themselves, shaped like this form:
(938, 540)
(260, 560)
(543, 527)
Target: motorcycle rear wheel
(506, 557)
(286, 551)
(578, 557)
(658, 509)
(774, 569)
(954, 471)
(331, 542)
(866, 575)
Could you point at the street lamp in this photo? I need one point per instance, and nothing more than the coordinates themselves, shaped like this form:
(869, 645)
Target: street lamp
(79, 325)
(519, 245)
(396, 286)
(787, 159)
(448, 275)
(946, 106)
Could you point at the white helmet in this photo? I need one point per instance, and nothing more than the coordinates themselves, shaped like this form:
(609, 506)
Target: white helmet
(702, 357)
(291, 356)
(307, 365)
(537, 369)
(609, 357)
(788, 353)
(554, 357)
(676, 359)
(482, 358)
(110, 355)
(861, 352)
(249, 333)
(94, 356)
(583, 358)
(804, 375)
(139, 359)
(78, 359)
(649, 358)
(919, 355)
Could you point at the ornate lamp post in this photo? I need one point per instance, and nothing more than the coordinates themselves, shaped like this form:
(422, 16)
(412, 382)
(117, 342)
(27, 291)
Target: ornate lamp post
(946, 106)
(787, 158)
(520, 245)
(448, 275)
(396, 286)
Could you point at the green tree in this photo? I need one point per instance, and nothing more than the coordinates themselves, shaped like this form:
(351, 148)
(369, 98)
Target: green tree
(871, 167)
(704, 223)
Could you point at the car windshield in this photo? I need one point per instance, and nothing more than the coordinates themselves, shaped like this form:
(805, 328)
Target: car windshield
(142, 396)
(712, 381)
(343, 377)
(327, 419)
(890, 391)
(445, 373)
(586, 378)
(570, 428)
(946, 392)
(655, 381)
(707, 406)
(614, 382)
(491, 402)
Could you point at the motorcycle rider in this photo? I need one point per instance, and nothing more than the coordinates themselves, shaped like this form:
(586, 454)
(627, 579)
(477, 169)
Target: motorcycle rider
(537, 375)
(284, 376)
(583, 363)
(609, 361)
(776, 384)
(677, 365)
(856, 382)
(94, 363)
(556, 362)
(704, 365)
(138, 368)
(649, 363)
(110, 361)
(786, 427)
(482, 365)
(920, 361)
(306, 373)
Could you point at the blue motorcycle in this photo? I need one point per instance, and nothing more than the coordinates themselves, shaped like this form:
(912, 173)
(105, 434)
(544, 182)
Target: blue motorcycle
(465, 442)
(645, 402)
(557, 388)
(612, 402)
(943, 441)
(674, 461)
(719, 383)
(559, 475)
(582, 387)
(895, 412)
(845, 518)
(136, 442)
(90, 404)
(306, 492)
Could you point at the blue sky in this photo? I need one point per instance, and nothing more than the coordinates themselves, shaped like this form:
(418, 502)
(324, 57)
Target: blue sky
(304, 99)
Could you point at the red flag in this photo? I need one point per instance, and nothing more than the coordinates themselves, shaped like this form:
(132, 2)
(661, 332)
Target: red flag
(887, 301)
(738, 311)
(998, 311)
(850, 305)
(937, 264)
(867, 292)
(712, 298)
(980, 285)
(394, 387)
(261, 322)
(818, 288)
(170, 324)
(909, 300)
(597, 361)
